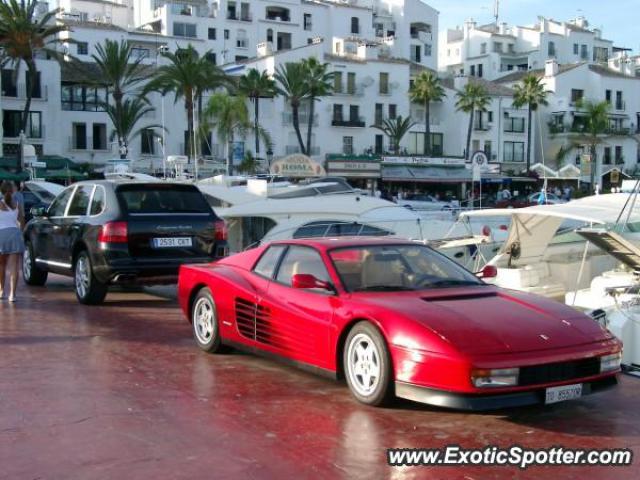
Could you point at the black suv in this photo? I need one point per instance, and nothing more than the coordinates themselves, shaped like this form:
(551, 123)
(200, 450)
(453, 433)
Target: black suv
(121, 232)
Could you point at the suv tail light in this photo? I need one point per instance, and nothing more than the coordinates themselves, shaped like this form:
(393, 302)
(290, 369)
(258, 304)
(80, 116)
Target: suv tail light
(113, 232)
(220, 230)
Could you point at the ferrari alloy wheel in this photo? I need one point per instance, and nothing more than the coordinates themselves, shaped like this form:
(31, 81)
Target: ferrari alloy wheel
(204, 319)
(367, 365)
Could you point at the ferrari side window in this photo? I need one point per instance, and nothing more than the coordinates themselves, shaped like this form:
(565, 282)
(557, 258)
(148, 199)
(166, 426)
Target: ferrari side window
(300, 260)
(268, 261)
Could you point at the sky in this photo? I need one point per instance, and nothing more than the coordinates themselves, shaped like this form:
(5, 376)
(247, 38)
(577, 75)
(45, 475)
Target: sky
(618, 19)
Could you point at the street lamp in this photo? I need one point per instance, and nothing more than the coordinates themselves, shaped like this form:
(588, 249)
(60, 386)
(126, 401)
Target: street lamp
(269, 158)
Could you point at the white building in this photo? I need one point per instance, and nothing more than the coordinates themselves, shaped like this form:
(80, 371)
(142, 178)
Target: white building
(563, 138)
(491, 51)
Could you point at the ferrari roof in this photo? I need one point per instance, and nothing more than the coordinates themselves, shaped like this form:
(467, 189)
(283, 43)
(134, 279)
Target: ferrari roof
(339, 242)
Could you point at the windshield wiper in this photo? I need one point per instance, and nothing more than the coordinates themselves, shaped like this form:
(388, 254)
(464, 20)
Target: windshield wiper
(455, 283)
(384, 288)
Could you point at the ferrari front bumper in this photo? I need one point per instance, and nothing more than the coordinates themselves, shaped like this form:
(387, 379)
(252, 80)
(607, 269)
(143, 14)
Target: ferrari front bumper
(459, 401)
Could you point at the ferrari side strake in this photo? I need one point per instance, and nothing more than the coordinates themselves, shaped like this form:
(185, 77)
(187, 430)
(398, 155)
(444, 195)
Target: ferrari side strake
(395, 318)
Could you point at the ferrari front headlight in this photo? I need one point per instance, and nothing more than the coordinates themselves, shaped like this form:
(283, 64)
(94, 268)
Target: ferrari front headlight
(609, 363)
(494, 378)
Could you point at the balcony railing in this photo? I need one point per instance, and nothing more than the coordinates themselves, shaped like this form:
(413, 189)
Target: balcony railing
(19, 91)
(348, 122)
(289, 149)
(618, 131)
(303, 119)
(482, 127)
(240, 17)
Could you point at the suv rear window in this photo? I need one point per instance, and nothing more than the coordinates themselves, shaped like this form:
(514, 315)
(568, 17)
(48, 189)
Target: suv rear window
(165, 199)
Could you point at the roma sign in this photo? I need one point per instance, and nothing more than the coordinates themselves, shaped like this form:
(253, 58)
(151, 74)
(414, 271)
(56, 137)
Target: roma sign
(297, 166)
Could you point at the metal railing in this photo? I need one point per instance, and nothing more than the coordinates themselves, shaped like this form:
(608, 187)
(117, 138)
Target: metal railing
(348, 122)
(19, 91)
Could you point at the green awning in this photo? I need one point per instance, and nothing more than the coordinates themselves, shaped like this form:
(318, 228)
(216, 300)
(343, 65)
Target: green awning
(8, 162)
(7, 175)
(60, 174)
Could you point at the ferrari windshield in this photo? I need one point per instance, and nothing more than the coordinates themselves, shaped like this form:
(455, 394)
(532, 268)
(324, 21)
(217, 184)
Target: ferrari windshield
(397, 268)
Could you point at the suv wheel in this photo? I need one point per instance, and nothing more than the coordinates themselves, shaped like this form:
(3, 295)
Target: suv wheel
(89, 290)
(32, 274)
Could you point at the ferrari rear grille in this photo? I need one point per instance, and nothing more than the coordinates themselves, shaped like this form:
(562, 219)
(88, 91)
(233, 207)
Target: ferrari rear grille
(558, 372)
(253, 321)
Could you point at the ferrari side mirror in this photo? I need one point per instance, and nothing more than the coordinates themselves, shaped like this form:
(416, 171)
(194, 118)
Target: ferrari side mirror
(489, 271)
(307, 281)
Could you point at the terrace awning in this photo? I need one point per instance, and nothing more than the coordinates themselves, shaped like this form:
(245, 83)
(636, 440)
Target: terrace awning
(431, 174)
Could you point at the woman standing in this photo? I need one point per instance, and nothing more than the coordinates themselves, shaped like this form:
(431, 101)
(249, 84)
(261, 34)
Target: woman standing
(11, 243)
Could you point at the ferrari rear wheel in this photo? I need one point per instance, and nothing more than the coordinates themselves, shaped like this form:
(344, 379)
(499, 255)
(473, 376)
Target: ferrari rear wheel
(367, 365)
(204, 319)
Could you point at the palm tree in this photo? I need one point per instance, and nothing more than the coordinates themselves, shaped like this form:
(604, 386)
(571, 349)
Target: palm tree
(120, 72)
(473, 98)
(254, 85)
(320, 84)
(530, 92)
(292, 84)
(425, 90)
(230, 117)
(188, 76)
(395, 129)
(22, 36)
(126, 117)
(596, 124)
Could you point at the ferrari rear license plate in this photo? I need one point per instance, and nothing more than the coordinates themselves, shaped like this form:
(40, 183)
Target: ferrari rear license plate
(172, 242)
(565, 392)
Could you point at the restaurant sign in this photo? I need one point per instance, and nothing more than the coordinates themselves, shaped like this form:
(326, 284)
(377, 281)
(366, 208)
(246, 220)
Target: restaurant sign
(297, 166)
(353, 168)
(417, 161)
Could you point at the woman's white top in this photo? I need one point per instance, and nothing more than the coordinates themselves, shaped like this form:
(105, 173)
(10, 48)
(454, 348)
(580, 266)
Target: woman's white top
(8, 217)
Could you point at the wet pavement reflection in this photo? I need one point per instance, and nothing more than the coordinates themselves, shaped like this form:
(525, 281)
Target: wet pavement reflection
(121, 391)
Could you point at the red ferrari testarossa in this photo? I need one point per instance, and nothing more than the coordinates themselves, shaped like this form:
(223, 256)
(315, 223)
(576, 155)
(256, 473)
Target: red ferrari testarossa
(394, 317)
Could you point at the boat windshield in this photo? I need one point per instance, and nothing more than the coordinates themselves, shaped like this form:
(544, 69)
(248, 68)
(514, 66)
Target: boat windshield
(398, 268)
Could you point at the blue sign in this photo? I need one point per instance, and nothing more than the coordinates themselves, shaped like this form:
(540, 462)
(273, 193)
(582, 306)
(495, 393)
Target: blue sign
(237, 153)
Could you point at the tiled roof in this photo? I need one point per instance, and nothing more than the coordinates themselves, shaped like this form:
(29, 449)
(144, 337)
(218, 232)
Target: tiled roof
(494, 89)
(519, 75)
(608, 72)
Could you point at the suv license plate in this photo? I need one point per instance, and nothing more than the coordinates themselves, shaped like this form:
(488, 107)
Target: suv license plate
(565, 392)
(174, 242)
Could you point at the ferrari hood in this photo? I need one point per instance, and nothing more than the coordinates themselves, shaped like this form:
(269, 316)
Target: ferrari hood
(488, 320)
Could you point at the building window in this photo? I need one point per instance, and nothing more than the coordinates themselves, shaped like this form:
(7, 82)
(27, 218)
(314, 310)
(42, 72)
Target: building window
(307, 21)
(428, 50)
(619, 157)
(187, 30)
(351, 83)
(480, 70)
(280, 14)
(551, 49)
(354, 113)
(139, 52)
(211, 57)
(497, 47)
(378, 114)
(241, 39)
(473, 71)
(619, 101)
(147, 145)
(488, 148)
(81, 98)
(415, 53)
(79, 137)
(240, 58)
(226, 34)
(384, 83)
(212, 34)
(83, 48)
(576, 95)
(514, 125)
(606, 159)
(99, 140)
(514, 151)
(608, 96)
(11, 120)
(490, 116)
(379, 144)
(483, 48)
(337, 112)
(269, 35)
(37, 89)
(392, 111)
(9, 83)
(347, 145)
(584, 52)
(576, 49)
(337, 82)
(355, 25)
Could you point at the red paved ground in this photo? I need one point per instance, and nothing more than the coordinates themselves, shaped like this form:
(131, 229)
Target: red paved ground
(120, 391)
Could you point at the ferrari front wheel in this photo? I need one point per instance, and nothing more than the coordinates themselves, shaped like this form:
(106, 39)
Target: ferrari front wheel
(204, 320)
(367, 365)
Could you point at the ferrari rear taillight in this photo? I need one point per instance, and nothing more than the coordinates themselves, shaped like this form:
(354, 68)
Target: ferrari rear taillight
(220, 230)
(114, 232)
